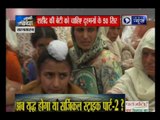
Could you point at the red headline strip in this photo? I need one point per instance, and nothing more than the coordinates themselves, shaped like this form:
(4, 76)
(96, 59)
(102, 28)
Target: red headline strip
(77, 20)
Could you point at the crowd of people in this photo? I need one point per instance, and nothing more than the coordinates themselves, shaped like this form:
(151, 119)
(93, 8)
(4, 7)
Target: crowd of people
(50, 64)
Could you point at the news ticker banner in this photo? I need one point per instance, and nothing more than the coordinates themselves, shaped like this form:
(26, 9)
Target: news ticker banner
(70, 103)
(67, 20)
(27, 23)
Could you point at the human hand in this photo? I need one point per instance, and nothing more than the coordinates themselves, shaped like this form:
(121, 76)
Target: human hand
(11, 89)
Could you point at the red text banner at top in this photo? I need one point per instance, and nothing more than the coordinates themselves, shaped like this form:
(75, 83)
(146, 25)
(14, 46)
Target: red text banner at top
(78, 20)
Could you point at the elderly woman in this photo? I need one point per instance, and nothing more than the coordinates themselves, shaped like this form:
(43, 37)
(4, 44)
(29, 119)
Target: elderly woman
(124, 52)
(98, 67)
(138, 82)
(139, 31)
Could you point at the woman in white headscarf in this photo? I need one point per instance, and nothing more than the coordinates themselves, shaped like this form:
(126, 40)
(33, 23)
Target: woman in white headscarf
(124, 52)
(138, 83)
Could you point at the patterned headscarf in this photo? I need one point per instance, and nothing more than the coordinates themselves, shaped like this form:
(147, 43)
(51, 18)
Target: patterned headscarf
(25, 45)
(82, 58)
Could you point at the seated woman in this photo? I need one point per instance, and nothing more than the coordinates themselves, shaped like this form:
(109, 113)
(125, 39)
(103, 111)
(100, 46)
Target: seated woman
(138, 82)
(96, 69)
(54, 73)
(13, 68)
(115, 44)
(40, 39)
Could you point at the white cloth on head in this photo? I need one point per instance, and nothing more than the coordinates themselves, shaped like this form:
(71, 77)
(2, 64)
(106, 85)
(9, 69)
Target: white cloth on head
(148, 41)
(135, 83)
(117, 47)
(58, 50)
(11, 37)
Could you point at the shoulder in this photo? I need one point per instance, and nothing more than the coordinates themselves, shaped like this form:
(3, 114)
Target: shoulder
(11, 54)
(131, 73)
(120, 42)
(131, 70)
(74, 89)
(105, 58)
(72, 50)
(108, 55)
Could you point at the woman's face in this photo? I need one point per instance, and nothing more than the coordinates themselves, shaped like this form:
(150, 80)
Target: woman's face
(113, 33)
(41, 44)
(148, 61)
(54, 76)
(85, 37)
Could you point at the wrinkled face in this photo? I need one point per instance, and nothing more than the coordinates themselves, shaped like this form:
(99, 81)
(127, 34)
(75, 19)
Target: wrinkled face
(85, 37)
(41, 44)
(148, 61)
(113, 33)
(54, 76)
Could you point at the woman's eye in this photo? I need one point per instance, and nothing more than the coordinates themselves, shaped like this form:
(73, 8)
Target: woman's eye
(49, 75)
(62, 76)
(91, 29)
(80, 29)
(145, 53)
